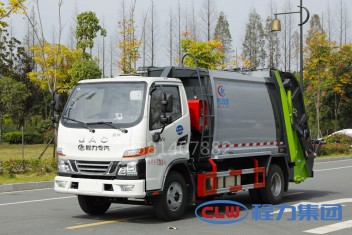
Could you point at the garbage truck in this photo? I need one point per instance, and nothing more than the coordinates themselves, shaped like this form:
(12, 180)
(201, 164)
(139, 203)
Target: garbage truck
(170, 137)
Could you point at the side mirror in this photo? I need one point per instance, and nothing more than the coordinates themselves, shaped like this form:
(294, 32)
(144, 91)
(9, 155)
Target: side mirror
(58, 102)
(168, 102)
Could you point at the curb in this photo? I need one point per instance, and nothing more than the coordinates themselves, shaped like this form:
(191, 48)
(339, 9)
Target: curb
(50, 184)
(26, 186)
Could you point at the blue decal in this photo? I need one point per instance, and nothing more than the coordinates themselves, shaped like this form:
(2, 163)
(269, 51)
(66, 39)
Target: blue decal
(223, 101)
(179, 129)
(212, 212)
(221, 91)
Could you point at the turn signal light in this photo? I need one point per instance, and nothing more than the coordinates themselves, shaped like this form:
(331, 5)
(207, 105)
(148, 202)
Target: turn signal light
(138, 152)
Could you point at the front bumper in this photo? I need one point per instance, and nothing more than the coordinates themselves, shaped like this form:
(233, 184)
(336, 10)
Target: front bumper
(101, 188)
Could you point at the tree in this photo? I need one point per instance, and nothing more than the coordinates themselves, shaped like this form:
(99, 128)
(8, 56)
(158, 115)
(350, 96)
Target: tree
(87, 28)
(222, 34)
(57, 69)
(179, 50)
(340, 85)
(208, 17)
(12, 99)
(152, 35)
(318, 52)
(286, 37)
(209, 54)
(14, 6)
(253, 44)
(11, 52)
(272, 45)
(83, 69)
(129, 44)
(171, 37)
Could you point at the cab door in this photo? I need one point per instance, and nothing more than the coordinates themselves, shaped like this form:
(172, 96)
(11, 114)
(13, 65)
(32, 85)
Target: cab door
(174, 141)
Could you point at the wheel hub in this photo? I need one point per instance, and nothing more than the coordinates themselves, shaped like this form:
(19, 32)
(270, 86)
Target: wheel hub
(174, 196)
(276, 184)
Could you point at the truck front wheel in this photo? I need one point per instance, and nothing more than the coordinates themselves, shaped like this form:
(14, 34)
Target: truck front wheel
(171, 204)
(93, 205)
(274, 186)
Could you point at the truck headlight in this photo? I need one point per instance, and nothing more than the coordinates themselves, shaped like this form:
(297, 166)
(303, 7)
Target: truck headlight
(133, 169)
(128, 169)
(64, 166)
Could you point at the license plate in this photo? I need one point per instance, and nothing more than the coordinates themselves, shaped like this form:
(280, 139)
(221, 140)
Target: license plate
(91, 186)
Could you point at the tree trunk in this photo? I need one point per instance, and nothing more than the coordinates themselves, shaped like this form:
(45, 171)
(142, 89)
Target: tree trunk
(317, 106)
(335, 112)
(0, 128)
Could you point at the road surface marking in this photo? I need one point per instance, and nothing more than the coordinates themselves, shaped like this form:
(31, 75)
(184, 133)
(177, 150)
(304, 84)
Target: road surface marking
(103, 222)
(41, 200)
(295, 193)
(332, 161)
(330, 228)
(336, 168)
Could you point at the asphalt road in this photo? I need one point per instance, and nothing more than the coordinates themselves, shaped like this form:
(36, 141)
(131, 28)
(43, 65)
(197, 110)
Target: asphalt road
(47, 212)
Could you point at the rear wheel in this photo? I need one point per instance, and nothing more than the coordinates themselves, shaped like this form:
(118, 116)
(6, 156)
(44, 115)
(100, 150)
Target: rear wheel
(274, 186)
(93, 205)
(171, 204)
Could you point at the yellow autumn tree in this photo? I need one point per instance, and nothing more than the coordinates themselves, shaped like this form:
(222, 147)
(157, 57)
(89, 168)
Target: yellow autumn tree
(12, 6)
(340, 84)
(54, 68)
(128, 46)
(209, 54)
(317, 72)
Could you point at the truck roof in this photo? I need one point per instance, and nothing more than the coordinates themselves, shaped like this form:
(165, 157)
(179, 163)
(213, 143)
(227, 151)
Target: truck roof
(132, 79)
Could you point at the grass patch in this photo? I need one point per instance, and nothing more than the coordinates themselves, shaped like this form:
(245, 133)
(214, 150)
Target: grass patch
(29, 170)
(14, 151)
(14, 179)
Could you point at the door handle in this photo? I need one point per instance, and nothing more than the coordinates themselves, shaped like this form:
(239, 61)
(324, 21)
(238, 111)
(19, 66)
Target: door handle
(182, 141)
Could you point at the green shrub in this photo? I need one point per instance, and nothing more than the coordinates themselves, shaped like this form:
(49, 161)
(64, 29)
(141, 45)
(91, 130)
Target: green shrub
(43, 126)
(37, 166)
(331, 148)
(16, 138)
(339, 138)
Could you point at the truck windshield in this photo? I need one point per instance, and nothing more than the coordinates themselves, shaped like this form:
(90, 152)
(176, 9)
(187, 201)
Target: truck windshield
(119, 104)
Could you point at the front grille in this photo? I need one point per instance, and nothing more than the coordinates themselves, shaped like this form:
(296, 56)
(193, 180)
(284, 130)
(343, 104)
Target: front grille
(93, 167)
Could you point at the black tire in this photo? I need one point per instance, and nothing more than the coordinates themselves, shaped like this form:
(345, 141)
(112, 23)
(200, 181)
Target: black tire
(254, 194)
(172, 203)
(93, 205)
(274, 186)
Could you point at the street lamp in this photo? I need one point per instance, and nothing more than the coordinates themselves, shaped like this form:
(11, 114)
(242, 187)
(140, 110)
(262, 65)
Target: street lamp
(276, 26)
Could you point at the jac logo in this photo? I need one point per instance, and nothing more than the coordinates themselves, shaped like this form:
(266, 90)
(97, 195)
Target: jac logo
(221, 91)
(221, 212)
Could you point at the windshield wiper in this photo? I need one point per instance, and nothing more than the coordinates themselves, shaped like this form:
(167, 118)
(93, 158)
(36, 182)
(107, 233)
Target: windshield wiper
(108, 124)
(80, 122)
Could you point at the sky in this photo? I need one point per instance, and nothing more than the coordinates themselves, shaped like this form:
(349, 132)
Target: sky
(109, 11)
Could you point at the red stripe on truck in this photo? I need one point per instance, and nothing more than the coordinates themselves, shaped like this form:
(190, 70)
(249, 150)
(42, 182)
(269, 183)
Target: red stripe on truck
(278, 143)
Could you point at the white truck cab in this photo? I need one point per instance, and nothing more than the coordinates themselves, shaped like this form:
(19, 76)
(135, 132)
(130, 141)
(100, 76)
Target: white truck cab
(105, 137)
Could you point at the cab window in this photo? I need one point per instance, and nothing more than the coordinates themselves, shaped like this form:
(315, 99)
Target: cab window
(156, 106)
